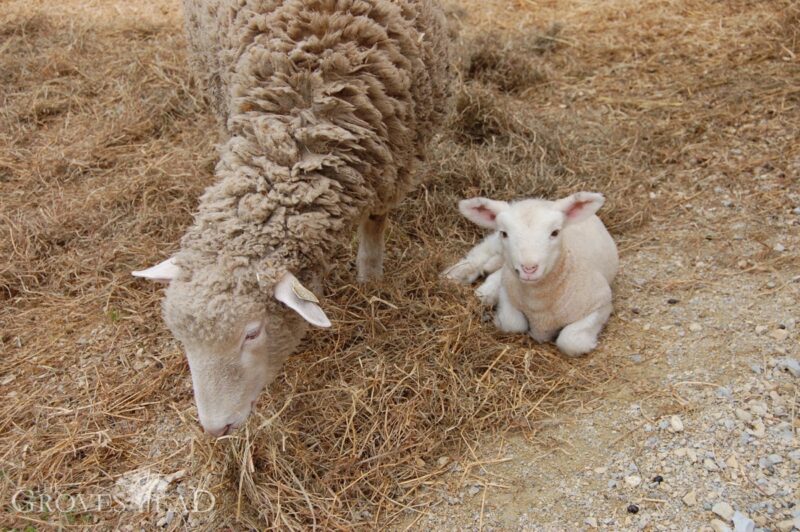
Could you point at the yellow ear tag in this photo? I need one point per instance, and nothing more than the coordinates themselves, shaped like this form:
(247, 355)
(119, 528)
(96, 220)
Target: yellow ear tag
(302, 292)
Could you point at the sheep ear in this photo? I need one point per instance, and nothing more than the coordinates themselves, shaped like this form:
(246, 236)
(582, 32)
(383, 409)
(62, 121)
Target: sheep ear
(482, 211)
(580, 205)
(163, 272)
(297, 297)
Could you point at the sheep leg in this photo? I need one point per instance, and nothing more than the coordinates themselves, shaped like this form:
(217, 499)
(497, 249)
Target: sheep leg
(507, 318)
(579, 338)
(370, 247)
(486, 257)
(489, 291)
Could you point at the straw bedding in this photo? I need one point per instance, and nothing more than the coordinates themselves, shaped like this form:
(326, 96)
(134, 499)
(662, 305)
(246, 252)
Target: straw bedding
(105, 146)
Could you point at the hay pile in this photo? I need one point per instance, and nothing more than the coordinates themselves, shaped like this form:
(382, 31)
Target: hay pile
(105, 146)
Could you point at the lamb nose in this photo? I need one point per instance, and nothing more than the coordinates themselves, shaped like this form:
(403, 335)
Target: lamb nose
(530, 268)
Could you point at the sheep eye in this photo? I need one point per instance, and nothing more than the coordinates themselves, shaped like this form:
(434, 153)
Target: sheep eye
(503, 234)
(252, 335)
(554, 233)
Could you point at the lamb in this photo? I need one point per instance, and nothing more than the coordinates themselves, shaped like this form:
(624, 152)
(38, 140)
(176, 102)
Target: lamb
(326, 108)
(551, 264)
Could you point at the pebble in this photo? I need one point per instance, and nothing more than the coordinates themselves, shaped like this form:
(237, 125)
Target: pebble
(742, 523)
(779, 247)
(724, 510)
(676, 425)
(779, 334)
(788, 524)
(792, 365)
(473, 490)
(710, 465)
(591, 522)
(758, 430)
(744, 415)
(761, 329)
(633, 480)
(695, 327)
(690, 499)
(719, 526)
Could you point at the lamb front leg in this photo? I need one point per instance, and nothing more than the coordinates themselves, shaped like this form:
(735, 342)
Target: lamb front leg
(370, 247)
(507, 318)
(486, 257)
(580, 337)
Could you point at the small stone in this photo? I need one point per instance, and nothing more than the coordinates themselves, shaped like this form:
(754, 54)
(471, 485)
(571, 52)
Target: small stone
(675, 423)
(633, 480)
(690, 499)
(710, 465)
(691, 455)
(658, 479)
(788, 525)
(724, 510)
(742, 523)
(732, 462)
(779, 334)
(673, 301)
(633, 509)
(761, 329)
(636, 358)
(600, 470)
(779, 247)
(473, 490)
(719, 526)
(723, 392)
(695, 327)
(591, 522)
(758, 430)
(744, 415)
(791, 365)
(443, 461)
(756, 368)
(758, 408)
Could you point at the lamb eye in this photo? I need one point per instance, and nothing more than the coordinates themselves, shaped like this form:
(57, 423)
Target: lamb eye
(503, 234)
(554, 233)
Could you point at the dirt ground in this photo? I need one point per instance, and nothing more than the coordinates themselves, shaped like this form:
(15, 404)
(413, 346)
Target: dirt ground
(693, 105)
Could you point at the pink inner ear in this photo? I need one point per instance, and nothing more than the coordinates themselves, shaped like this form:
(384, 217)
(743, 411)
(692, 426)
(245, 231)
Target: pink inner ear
(576, 208)
(485, 213)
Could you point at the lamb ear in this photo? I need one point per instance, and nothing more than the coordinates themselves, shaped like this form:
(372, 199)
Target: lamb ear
(580, 205)
(297, 297)
(163, 272)
(482, 211)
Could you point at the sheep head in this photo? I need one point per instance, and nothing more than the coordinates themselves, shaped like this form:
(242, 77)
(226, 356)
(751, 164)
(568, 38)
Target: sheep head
(235, 340)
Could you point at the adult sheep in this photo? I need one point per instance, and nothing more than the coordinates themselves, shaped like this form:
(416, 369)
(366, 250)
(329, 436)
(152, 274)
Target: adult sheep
(327, 107)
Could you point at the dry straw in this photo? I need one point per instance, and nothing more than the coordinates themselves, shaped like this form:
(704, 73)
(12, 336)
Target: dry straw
(105, 146)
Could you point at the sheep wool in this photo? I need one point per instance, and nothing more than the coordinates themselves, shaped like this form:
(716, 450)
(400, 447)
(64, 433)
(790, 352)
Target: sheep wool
(326, 107)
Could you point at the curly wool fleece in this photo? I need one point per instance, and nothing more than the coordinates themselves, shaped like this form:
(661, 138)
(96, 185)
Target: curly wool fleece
(327, 107)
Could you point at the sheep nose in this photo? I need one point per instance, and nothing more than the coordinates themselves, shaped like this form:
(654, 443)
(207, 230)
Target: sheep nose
(530, 268)
(216, 432)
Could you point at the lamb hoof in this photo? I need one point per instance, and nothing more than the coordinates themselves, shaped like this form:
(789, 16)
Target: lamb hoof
(463, 272)
(485, 296)
(576, 345)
